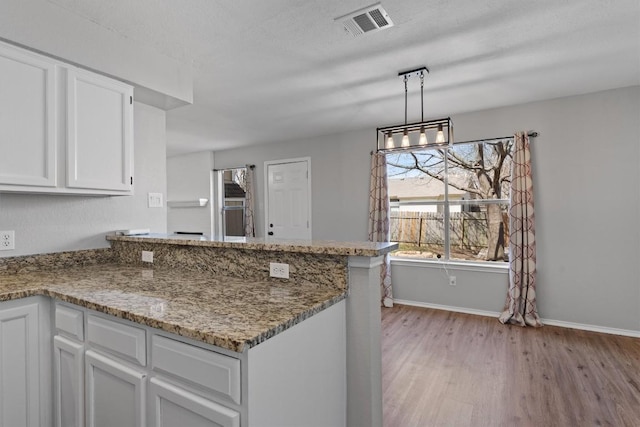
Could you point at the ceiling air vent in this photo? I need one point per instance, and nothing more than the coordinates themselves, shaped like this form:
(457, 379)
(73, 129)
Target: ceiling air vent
(367, 20)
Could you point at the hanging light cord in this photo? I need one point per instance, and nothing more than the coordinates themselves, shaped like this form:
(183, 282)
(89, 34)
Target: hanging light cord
(421, 96)
(405, 99)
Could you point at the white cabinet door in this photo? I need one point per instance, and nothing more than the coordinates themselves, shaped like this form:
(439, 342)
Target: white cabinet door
(172, 406)
(115, 393)
(19, 366)
(68, 396)
(27, 118)
(99, 132)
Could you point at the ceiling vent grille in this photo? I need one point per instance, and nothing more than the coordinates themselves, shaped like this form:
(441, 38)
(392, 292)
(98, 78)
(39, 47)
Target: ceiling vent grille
(367, 20)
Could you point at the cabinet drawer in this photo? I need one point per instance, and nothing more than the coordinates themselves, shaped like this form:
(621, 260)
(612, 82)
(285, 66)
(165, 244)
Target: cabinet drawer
(122, 340)
(206, 368)
(69, 321)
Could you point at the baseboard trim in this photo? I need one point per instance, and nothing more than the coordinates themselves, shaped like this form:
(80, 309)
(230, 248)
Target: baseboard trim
(550, 322)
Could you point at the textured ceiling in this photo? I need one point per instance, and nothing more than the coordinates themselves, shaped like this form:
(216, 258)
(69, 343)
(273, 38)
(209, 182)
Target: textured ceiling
(283, 69)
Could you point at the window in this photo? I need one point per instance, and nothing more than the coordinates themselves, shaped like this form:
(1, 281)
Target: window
(451, 203)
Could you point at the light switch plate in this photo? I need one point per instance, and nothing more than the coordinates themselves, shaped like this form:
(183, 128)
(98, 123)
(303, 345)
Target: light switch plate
(155, 200)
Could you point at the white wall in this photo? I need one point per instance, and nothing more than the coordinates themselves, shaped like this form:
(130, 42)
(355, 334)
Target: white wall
(188, 179)
(55, 223)
(587, 189)
(339, 180)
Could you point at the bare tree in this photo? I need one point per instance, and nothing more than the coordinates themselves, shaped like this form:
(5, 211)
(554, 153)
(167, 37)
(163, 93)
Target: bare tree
(481, 170)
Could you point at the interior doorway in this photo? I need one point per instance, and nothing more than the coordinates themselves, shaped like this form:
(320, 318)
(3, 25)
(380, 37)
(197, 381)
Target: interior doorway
(231, 201)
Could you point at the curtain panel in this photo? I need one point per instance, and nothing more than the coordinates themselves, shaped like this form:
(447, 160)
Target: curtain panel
(520, 307)
(249, 202)
(379, 220)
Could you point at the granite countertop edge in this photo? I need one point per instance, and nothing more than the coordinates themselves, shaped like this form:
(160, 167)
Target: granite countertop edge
(212, 338)
(325, 247)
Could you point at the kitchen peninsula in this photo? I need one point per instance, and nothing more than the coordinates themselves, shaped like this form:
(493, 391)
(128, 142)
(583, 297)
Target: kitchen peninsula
(277, 346)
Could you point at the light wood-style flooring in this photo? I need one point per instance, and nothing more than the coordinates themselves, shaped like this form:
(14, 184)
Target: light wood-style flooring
(450, 369)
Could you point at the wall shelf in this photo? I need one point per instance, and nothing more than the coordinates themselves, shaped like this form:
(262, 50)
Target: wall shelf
(197, 203)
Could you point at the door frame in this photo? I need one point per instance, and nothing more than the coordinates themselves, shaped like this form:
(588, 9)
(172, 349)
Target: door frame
(268, 163)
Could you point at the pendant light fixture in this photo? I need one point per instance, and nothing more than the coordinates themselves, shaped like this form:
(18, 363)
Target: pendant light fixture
(443, 128)
(390, 143)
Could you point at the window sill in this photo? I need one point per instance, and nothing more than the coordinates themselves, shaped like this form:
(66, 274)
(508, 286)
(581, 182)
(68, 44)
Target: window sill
(483, 267)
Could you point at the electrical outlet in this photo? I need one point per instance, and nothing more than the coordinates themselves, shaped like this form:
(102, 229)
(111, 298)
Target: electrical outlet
(147, 256)
(7, 240)
(279, 270)
(452, 280)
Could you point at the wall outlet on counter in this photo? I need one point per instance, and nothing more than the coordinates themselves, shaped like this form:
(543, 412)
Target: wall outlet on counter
(7, 240)
(147, 256)
(279, 270)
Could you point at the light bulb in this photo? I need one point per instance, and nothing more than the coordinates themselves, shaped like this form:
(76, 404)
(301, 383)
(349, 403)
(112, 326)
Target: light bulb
(390, 143)
(440, 135)
(423, 137)
(405, 139)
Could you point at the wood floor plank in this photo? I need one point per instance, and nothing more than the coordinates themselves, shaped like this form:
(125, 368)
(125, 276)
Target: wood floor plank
(449, 369)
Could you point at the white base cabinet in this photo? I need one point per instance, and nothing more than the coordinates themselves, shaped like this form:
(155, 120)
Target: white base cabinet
(68, 374)
(25, 358)
(170, 406)
(116, 393)
(113, 372)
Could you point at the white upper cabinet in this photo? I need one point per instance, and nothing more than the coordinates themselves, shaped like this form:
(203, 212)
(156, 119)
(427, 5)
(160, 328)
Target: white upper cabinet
(27, 118)
(62, 129)
(99, 132)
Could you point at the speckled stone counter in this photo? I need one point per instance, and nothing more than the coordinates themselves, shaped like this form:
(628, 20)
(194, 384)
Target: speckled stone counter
(317, 247)
(227, 312)
(319, 263)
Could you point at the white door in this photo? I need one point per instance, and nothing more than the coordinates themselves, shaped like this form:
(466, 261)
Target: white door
(27, 119)
(68, 395)
(115, 393)
(19, 367)
(288, 210)
(99, 132)
(172, 406)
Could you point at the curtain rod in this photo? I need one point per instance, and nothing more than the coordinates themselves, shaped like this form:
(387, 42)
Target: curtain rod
(237, 167)
(531, 134)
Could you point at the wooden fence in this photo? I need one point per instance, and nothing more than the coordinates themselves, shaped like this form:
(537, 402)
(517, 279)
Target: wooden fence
(467, 229)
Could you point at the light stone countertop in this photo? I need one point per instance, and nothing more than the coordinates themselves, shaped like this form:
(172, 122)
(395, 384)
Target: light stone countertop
(231, 313)
(327, 247)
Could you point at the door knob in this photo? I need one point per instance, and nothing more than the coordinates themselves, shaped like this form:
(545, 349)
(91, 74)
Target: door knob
(271, 225)
(270, 233)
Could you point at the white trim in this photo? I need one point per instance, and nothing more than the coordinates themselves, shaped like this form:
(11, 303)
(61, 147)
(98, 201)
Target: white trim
(268, 163)
(550, 322)
(447, 308)
(365, 262)
(592, 328)
(484, 267)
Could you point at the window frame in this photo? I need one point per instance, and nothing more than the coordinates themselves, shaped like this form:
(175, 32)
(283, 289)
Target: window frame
(446, 204)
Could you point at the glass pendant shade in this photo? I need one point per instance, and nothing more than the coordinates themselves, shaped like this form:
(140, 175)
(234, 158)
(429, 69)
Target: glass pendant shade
(423, 137)
(390, 143)
(405, 139)
(440, 135)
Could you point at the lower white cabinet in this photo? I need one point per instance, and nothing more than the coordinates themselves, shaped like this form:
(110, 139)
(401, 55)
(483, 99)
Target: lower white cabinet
(111, 372)
(170, 405)
(115, 392)
(68, 375)
(24, 363)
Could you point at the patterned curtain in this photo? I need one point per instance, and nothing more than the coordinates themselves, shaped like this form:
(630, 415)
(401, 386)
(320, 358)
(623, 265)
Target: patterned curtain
(379, 219)
(520, 307)
(249, 201)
